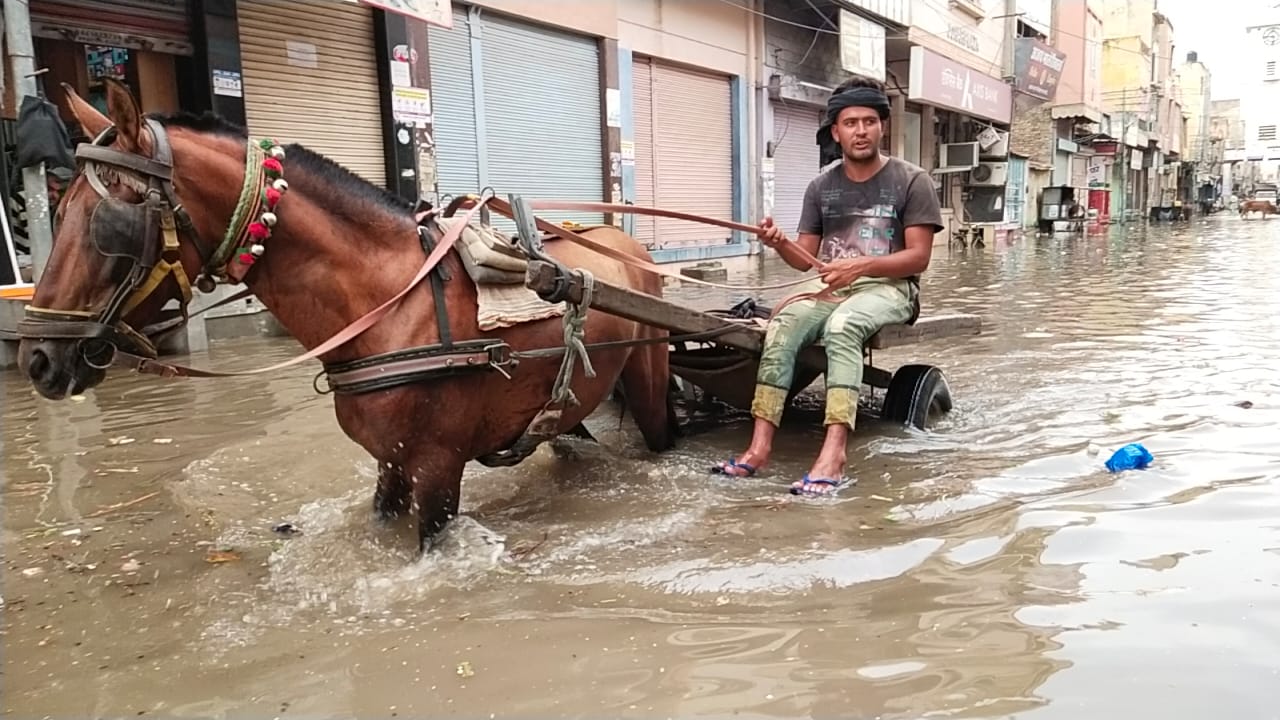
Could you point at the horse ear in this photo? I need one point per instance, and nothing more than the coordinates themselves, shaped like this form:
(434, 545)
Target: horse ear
(125, 115)
(91, 121)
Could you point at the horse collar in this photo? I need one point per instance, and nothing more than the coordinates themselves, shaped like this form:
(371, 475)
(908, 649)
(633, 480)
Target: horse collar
(254, 217)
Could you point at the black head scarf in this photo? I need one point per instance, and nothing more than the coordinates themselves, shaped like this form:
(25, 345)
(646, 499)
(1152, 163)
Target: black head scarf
(853, 97)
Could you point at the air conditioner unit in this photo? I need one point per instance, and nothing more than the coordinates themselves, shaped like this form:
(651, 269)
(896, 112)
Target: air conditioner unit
(990, 173)
(958, 155)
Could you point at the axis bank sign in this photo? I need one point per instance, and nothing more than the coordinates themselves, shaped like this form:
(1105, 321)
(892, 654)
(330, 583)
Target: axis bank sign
(945, 83)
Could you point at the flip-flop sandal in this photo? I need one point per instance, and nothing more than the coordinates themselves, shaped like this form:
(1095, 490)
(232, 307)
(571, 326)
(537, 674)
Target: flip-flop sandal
(723, 468)
(806, 481)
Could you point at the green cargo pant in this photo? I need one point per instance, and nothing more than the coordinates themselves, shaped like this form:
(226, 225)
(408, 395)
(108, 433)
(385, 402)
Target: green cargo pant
(845, 326)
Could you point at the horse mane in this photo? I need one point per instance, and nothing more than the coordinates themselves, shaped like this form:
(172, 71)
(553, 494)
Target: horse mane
(351, 194)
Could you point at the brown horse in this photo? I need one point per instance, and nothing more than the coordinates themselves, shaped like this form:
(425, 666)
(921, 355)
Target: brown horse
(1266, 207)
(338, 246)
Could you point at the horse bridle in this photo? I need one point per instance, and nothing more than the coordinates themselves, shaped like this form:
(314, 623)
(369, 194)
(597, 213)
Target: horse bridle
(114, 226)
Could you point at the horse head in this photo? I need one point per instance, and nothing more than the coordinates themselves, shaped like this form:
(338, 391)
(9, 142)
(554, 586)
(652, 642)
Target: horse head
(128, 244)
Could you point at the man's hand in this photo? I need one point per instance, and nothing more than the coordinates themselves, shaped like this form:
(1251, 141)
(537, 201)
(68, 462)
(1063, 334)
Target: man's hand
(771, 235)
(841, 273)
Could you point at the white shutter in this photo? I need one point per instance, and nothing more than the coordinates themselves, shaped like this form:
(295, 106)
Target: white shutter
(795, 160)
(453, 107)
(542, 115)
(691, 146)
(310, 78)
(642, 116)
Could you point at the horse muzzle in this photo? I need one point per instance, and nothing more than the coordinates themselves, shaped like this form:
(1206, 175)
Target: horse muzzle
(61, 367)
(64, 354)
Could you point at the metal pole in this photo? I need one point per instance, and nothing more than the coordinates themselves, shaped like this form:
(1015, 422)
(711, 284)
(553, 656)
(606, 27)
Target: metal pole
(17, 28)
(1010, 37)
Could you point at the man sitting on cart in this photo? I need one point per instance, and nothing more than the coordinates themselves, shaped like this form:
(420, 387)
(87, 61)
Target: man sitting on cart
(870, 220)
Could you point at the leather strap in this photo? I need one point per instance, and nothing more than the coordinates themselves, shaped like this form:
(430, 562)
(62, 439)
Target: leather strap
(147, 365)
(138, 163)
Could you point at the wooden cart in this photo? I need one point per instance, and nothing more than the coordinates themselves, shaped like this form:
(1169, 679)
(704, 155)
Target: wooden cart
(725, 367)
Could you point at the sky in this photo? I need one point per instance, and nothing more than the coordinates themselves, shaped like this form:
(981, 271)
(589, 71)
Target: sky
(1216, 36)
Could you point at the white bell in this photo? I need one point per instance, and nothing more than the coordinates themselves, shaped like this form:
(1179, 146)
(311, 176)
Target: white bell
(269, 219)
(280, 185)
(257, 249)
(277, 152)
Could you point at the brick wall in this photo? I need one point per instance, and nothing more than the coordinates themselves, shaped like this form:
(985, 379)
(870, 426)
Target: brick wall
(1032, 131)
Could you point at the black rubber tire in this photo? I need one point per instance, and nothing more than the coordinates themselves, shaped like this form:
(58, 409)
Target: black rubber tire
(915, 394)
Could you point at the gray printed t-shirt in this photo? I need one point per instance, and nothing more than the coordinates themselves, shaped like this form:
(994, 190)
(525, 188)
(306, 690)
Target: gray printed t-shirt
(868, 218)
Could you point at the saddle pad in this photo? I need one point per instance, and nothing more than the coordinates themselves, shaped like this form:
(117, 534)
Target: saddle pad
(489, 256)
(502, 306)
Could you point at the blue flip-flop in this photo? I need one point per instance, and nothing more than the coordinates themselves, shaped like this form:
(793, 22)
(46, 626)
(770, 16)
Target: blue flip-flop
(722, 468)
(806, 481)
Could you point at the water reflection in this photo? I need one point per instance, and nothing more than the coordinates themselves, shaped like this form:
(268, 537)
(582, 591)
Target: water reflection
(988, 568)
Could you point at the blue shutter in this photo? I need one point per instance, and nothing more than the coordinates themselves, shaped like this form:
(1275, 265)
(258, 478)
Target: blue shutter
(542, 116)
(1015, 190)
(453, 105)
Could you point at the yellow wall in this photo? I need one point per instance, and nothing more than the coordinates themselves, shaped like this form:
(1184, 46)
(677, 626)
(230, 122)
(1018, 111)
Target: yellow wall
(1126, 65)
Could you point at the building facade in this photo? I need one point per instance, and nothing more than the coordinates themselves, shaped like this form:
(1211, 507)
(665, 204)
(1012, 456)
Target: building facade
(1260, 100)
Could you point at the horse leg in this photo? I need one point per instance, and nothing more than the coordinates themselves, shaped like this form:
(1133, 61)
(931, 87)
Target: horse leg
(391, 498)
(436, 484)
(645, 384)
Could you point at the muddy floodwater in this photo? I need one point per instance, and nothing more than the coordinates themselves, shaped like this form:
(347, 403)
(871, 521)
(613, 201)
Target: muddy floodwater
(989, 568)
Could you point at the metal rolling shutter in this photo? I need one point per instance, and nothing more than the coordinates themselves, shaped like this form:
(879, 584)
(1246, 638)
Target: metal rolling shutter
(642, 112)
(332, 108)
(795, 160)
(453, 105)
(691, 145)
(542, 115)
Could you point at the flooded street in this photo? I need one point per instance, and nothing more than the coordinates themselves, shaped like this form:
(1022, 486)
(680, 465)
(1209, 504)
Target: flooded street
(989, 568)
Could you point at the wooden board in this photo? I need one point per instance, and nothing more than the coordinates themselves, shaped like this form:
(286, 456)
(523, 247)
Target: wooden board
(930, 328)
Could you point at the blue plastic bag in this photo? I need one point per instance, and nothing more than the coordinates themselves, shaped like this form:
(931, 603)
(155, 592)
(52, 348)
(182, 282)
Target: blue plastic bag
(1130, 457)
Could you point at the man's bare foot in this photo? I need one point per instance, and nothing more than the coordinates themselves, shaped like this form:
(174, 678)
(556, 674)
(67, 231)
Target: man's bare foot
(812, 484)
(745, 465)
(827, 472)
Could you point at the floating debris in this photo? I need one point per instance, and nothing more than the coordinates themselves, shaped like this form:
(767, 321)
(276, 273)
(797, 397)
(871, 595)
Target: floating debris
(221, 556)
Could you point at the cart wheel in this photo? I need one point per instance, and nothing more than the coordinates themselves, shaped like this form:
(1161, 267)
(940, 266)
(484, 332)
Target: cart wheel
(916, 394)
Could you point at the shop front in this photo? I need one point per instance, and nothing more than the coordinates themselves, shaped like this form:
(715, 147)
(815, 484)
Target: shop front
(964, 136)
(144, 43)
(517, 107)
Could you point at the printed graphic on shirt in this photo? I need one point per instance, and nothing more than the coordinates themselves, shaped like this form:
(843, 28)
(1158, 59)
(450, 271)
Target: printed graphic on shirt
(870, 231)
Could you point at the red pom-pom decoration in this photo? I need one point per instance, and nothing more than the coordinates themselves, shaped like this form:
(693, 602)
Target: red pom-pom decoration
(272, 166)
(246, 258)
(259, 231)
(273, 197)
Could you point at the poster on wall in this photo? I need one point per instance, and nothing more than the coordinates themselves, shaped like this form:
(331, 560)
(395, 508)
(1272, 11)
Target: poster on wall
(106, 62)
(861, 46)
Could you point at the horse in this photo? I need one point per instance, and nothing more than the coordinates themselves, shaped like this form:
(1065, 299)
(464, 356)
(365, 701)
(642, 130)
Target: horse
(132, 236)
(1266, 207)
